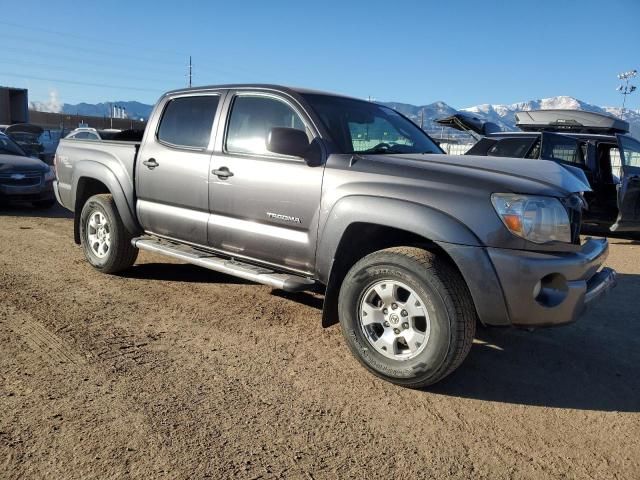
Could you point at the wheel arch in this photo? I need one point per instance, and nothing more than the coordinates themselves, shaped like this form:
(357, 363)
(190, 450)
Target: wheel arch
(360, 225)
(92, 178)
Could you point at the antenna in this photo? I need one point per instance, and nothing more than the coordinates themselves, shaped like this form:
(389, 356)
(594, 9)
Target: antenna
(190, 71)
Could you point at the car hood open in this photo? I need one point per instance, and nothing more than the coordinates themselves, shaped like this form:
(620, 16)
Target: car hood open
(24, 128)
(467, 122)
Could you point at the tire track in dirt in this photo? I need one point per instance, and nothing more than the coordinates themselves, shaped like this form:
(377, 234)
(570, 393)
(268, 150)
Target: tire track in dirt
(40, 339)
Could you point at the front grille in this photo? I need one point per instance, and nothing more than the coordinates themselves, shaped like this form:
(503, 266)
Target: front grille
(27, 179)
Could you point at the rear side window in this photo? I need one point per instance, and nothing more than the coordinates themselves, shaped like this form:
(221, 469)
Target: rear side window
(559, 147)
(187, 121)
(251, 120)
(511, 147)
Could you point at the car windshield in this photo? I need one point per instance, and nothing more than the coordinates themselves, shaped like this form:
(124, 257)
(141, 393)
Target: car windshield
(357, 126)
(9, 147)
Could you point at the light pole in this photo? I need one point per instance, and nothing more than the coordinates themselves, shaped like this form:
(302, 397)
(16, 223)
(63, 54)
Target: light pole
(624, 88)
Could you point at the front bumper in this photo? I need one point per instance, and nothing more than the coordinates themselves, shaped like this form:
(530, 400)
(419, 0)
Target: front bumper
(545, 289)
(40, 191)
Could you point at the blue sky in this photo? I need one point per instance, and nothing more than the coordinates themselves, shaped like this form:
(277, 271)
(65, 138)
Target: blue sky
(463, 53)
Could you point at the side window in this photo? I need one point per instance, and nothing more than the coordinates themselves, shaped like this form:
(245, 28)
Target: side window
(511, 147)
(92, 136)
(187, 121)
(252, 117)
(559, 147)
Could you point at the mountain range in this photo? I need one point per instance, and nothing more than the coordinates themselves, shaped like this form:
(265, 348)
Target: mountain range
(502, 115)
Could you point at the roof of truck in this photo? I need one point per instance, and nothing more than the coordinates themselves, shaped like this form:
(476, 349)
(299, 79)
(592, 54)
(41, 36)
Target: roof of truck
(263, 86)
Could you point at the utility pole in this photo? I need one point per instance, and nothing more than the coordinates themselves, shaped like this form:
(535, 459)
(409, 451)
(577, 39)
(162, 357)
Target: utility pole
(190, 71)
(624, 88)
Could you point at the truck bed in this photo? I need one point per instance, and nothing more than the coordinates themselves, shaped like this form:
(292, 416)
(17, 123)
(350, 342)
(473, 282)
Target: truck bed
(75, 156)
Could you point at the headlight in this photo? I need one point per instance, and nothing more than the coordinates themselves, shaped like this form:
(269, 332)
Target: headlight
(537, 219)
(50, 175)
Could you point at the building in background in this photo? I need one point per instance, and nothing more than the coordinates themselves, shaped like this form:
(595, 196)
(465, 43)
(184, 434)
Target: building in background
(14, 105)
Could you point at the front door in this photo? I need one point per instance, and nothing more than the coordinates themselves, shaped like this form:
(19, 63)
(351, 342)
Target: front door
(629, 187)
(172, 172)
(264, 206)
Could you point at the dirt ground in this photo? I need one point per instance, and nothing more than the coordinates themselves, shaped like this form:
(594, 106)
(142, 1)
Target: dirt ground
(176, 372)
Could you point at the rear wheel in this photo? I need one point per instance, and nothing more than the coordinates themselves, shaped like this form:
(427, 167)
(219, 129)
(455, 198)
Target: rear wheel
(407, 315)
(105, 240)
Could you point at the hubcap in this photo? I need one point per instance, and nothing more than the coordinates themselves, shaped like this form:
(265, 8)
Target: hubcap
(98, 234)
(394, 320)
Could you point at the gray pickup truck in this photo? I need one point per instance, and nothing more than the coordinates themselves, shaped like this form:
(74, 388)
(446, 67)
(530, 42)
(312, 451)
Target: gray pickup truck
(305, 190)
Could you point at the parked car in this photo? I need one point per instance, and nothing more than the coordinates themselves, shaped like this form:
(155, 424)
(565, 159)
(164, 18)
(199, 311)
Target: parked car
(24, 178)
(27, 136)
(304, 190)
(89, 133)
(598, 145)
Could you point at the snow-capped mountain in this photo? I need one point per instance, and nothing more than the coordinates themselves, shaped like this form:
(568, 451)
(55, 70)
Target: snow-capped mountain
(504, 115)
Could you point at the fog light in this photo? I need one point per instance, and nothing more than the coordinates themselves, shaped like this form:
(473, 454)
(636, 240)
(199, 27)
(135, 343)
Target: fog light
(553, 290)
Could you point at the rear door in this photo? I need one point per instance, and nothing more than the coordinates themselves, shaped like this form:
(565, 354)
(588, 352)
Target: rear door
(264, 206)
(172, 172)
(629, 187)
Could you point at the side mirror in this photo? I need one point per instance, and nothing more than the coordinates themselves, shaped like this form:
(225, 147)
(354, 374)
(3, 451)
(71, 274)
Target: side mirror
(288, 141)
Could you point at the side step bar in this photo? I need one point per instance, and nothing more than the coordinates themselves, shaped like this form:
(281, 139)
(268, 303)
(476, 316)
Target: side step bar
(282, 281)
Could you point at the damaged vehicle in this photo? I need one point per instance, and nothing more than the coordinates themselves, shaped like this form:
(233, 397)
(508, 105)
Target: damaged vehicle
(27, 136)
(586, 143)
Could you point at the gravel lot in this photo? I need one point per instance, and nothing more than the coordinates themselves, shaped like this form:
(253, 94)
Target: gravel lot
(172, 371)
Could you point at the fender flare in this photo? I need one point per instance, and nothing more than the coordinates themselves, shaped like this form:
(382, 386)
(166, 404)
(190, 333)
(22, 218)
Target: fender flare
(427, 222)
(102, 173)
(460, 243)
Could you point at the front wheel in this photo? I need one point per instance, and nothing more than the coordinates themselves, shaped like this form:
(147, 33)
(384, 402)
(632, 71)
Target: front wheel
(105, 240)
(407, 315)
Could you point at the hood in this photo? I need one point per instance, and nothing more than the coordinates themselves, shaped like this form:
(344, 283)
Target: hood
(527, 176)
(24, 128)
(468, 122)
(16, 163)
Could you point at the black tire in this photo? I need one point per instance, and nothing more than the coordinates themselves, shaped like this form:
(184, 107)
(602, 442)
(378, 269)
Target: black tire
(121, 253)
(44, 203)
(446, 299)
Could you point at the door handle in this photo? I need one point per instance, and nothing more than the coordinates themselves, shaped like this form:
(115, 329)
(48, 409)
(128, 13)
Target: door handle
(151, 163)
(222, 173)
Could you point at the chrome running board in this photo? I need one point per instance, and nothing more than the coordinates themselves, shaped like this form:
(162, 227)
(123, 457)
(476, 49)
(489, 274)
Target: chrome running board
(246, 271)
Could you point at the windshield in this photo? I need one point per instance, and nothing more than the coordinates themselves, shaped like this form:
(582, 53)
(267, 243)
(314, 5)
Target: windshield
(9, 147)
(630, 151)
(357, 126)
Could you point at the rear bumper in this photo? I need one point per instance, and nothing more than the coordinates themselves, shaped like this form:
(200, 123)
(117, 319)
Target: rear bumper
(542, 289)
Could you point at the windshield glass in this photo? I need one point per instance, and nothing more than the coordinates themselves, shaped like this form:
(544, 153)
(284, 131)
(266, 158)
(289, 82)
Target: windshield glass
(9, 147)
(357, 126)
(630, 151)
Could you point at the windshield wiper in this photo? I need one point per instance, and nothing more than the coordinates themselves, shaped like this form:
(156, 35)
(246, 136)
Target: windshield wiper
(381, 150)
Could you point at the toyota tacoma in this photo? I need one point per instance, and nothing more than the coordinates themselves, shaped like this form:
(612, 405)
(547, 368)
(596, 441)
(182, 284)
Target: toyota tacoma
(305, 190)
